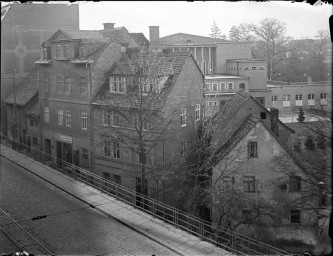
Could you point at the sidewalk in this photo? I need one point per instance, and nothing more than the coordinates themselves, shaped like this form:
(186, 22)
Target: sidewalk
(181, 242)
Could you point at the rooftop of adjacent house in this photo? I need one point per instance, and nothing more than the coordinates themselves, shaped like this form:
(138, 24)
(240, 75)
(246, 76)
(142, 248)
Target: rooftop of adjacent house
(224, 76)
(140, 38)
(165, 66)
(188, 39)
(246, 60)
(228, 137)
(34, 110)
(26, 90)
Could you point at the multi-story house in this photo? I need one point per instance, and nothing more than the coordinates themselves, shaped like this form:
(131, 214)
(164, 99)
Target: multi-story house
(24, 27)
(255, 178)
(71, 71)
(146, 117)
(225, 63)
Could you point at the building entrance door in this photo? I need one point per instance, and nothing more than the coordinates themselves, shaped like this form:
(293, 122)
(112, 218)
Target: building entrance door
(67, 152)
(48, 149)
(59, 154)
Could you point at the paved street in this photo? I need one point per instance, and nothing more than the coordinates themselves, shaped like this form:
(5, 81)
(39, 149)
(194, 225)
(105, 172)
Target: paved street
(71, 227)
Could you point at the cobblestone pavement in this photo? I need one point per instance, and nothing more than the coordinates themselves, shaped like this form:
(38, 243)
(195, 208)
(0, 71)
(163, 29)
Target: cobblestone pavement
(70, 226)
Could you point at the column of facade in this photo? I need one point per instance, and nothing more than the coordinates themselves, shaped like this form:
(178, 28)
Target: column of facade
(210, 60)
(202, 58)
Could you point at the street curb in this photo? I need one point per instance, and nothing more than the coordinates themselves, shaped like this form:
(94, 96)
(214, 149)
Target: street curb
(80, 199)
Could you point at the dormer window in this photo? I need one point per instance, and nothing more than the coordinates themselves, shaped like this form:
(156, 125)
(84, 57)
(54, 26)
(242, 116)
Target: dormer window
(147, 85)
(117, 84)
(58, 51)
(66, 51)
(81, 52)
(45, 54)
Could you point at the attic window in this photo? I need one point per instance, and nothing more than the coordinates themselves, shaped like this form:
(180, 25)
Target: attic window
(263, 115)
(188, 40)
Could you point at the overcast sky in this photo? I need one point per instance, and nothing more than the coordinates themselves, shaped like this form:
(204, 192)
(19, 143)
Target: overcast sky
(302, 20)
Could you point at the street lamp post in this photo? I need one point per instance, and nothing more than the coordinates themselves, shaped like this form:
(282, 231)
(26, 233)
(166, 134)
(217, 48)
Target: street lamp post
(14, 111)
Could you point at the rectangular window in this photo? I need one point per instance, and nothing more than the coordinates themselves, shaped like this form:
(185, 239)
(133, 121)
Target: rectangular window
(222, 86)
(323, 99)
(298, 100)
(249, 184)
(66, 51)
(252, 149)
(67, 86)
(183, 147)
(81, 52)
(214, 87)
(84, 123)
(204, 67)
(116, 120)
(286, 101)
(323, 96)
(46, 114)
(298, 97)
(60, 84)
(254, 68)
(261, 100)
(274, 98)
(261, 68)
(294, 183)
(32, 123)
(45, 57)
(116, 149)
(183, 117)
(230, 86)
(58, 51)
(107, 148)
(117, 84)
(197, 112)
(311, 99)
(207, 86)
(85, 157)
(60, 117)
(246, 68)
(228, 182)
(83, 85)
(295, 216)
(311, 96)
(68, 118)
(107, 118)
(46, 81)
(117, 179)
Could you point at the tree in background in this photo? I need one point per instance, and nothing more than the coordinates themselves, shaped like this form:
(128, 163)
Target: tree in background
(216, 32)
(268, 39)
(301, 116)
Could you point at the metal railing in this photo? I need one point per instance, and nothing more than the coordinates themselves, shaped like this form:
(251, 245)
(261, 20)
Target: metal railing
(230, 241)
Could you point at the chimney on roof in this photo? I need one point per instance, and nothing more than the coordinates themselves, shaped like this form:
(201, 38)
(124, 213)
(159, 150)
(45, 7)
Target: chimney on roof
(309, 80)
(274, 120)
(108, 25)
(154, 33)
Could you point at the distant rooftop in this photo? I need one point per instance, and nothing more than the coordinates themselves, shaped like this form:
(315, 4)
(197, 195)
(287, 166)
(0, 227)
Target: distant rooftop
(224, 75)
(247, 60)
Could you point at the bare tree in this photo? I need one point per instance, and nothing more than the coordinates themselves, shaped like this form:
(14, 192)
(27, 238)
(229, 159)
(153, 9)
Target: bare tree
(136, 118)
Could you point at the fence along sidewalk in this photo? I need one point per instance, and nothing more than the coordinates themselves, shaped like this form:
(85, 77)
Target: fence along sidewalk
(227, 240)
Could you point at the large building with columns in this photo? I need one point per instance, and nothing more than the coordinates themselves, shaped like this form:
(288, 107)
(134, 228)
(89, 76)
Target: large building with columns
(227, 65)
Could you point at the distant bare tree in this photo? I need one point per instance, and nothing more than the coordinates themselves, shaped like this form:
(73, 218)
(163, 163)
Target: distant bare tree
(216, 32)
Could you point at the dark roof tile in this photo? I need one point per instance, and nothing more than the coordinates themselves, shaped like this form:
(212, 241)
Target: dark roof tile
(26, 90)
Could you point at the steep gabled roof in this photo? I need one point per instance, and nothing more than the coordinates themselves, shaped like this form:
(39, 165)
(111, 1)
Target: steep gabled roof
(140, 38)
(230, 135)
(77, 34)
(188, 39)
(166, 67)
(26, 90)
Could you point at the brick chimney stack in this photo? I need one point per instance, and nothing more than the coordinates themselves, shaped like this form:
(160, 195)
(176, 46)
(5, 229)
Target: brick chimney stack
(108, 25)
(309, 80)
(154, 33)
(274, 120)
